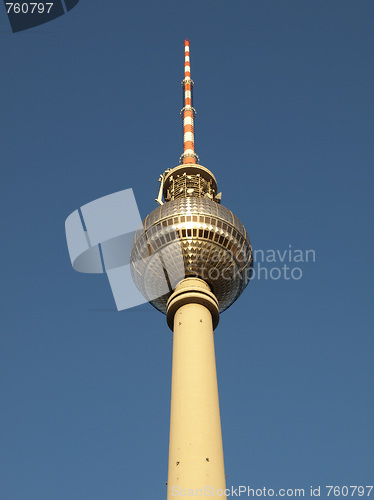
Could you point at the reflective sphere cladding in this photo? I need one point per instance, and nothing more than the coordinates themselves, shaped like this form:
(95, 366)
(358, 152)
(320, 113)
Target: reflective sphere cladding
(191, 237)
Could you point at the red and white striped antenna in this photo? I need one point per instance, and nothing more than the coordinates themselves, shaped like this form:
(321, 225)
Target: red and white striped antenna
(188, 112)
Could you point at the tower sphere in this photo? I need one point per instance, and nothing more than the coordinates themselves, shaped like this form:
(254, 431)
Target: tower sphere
(191, 235)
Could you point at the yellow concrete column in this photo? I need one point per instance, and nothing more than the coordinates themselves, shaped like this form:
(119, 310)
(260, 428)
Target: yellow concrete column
(195, 449)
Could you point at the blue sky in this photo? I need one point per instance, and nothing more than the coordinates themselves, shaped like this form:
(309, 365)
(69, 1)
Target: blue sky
(284, 96)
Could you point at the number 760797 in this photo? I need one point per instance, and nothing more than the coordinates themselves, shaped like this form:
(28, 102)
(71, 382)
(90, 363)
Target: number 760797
(29, 8)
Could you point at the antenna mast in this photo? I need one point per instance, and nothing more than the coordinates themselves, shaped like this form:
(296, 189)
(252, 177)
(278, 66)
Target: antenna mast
(188, 113)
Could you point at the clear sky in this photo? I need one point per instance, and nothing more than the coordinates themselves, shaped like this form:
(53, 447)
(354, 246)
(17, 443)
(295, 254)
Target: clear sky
(91, 101)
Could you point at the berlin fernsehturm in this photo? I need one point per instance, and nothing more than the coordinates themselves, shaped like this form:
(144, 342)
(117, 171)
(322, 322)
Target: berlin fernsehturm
(203, 252)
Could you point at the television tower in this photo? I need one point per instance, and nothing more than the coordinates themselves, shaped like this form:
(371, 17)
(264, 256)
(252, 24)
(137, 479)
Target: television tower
(216, 267)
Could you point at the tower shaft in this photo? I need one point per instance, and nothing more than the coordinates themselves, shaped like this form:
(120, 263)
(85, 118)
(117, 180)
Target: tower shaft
(195, 449)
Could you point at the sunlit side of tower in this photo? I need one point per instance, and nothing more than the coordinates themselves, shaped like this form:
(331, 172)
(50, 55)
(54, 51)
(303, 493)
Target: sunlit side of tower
(204, 253)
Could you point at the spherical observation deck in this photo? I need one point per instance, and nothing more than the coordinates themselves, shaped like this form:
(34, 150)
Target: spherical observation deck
(191, 236)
